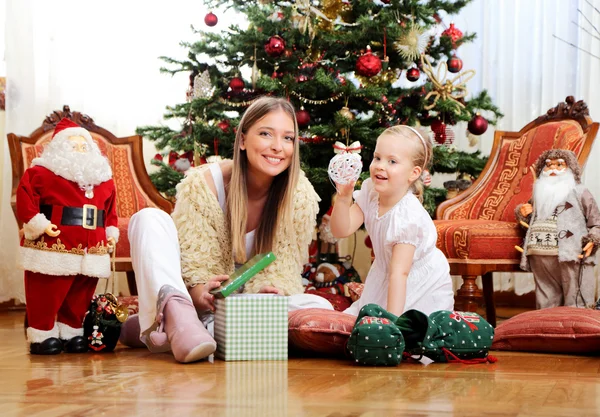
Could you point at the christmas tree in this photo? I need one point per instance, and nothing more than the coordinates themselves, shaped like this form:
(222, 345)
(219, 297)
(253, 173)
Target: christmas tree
(351, 68)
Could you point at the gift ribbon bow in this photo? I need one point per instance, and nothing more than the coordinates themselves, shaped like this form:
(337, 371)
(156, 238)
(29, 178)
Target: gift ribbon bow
(354, 147)
(458, 317)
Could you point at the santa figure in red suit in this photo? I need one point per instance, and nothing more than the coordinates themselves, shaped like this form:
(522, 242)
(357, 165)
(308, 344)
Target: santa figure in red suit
(66, 201)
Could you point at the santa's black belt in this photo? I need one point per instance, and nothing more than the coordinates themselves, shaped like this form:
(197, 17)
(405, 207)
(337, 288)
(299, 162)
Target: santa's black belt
(73, 216)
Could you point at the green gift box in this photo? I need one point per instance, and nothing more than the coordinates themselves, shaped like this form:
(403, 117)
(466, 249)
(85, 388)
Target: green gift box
(250, 327)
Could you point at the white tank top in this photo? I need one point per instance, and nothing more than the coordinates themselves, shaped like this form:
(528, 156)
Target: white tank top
(217, 174)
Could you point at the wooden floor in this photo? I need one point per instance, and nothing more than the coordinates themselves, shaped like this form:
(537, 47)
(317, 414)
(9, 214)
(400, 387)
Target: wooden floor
(133, 382)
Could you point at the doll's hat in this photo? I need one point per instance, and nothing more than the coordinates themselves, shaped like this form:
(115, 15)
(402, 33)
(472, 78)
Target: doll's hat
(66, 128)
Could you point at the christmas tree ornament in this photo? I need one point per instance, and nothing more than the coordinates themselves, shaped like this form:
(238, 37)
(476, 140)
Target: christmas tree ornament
(477, 125)
(236, 84)
(224, 125)
(473, 139)
(303, 117)
(275, 46)
(455, 64)
(346, 165)
(444, 88)
(276, 16)
(411, 44)
(439, 130)
(368, 65)
(211, 19)
(203, 87)
(331, 9)
(453, 33)
(346, 113)
(413, 74)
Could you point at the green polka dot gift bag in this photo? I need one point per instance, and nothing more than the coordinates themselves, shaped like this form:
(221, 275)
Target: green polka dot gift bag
(381, 338)
(375, 339)
(447, 336)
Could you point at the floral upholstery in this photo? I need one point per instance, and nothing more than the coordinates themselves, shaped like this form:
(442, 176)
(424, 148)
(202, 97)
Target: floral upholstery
(483, 225)
(130, 196)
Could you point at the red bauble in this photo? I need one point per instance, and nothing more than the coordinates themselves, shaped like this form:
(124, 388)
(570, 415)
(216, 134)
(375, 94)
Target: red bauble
(303, 117)
(223, 125)
(455, 64)
(478, 125)
(236, 84)
(368, 65)
(441, 131)
(275, 46)
(158, 157)
(211, 19)
(413, 74)
(453, 33)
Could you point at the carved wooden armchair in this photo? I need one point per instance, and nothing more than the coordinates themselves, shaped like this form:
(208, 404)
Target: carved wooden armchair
(477, 230)
(135, 191)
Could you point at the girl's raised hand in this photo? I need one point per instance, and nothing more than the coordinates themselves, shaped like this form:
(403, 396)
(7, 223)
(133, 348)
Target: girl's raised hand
(345, 190)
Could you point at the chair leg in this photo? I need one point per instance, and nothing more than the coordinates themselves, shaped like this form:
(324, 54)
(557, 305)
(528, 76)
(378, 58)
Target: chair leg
(131, 283)
(488, 298)
(469, 296)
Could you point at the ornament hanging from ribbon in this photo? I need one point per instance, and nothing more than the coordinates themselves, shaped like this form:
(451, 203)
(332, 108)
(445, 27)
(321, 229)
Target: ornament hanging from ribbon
(451, 90)
(346, 165)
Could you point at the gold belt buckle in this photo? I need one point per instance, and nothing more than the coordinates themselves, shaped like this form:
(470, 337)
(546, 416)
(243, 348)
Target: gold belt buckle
(87, 207)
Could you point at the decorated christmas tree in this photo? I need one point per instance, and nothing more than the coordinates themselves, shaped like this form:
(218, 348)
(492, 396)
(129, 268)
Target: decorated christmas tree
(351, 68)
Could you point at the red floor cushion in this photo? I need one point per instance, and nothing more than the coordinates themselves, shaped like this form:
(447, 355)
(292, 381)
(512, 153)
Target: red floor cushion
(552, 330)
(320, 331)
(479, 239)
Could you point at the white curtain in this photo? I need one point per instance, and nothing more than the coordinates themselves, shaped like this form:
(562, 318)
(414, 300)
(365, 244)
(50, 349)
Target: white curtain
(100, 58)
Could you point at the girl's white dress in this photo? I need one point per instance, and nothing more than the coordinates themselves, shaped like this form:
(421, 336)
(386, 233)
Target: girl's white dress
(429, 286)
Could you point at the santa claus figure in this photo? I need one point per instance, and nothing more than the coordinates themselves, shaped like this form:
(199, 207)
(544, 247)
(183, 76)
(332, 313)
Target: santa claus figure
(563, 233)
(66, 201)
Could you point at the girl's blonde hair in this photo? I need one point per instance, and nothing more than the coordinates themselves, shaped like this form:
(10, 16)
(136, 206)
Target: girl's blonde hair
(279, 204)
(421, 156)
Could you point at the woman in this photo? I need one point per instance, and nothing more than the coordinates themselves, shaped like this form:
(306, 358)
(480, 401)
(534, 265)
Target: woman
(226, 212)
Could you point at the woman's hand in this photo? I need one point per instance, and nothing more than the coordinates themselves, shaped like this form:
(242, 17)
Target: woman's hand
(202, 298)
(268, 289)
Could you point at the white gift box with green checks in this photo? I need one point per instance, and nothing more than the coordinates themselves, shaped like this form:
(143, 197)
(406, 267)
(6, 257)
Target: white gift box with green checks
(251, 327)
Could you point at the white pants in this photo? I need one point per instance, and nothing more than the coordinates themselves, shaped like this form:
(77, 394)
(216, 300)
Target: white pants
(156, 261)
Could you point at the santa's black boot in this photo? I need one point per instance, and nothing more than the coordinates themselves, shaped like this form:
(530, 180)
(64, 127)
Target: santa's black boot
(77, 344)
(50, 346)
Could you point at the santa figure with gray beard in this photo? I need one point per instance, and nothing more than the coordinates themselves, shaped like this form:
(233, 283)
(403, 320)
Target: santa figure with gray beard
(66, 201)
(563, 234)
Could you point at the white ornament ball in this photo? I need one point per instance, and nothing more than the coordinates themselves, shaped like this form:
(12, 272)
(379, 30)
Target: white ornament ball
(345, 168)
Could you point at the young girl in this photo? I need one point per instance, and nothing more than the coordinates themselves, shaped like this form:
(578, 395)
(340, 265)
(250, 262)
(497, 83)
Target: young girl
(225, 213)
(409, 272)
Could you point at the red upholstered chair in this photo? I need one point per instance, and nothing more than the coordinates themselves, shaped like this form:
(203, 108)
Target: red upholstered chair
(135, 191)
(477, 230)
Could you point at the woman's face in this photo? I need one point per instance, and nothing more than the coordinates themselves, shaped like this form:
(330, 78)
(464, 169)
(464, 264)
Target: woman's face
(269, 143)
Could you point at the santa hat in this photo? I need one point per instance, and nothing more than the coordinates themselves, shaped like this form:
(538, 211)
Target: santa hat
(67, 128)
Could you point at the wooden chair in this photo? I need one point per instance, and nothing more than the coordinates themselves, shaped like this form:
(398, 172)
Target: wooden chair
(477, 230)
(135, 191)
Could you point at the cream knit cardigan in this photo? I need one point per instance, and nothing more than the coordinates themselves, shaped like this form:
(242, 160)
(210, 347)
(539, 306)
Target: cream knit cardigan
(205, 240)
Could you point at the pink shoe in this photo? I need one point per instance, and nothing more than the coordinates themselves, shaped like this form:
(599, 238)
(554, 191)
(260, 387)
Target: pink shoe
(179, 326)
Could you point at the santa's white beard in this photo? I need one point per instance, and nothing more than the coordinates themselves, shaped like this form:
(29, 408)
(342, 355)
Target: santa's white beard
(85, 168)
(551, 191)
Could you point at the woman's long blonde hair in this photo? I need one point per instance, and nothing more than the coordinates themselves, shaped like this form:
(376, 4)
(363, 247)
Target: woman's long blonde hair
(422, 155)
(279, 205)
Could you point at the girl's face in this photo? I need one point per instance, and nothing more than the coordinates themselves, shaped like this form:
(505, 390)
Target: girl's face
(269, 144)
(392, 169)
